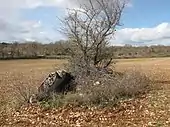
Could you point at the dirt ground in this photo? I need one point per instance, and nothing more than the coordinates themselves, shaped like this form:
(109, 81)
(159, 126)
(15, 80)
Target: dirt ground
(151, 110)
(25, 72)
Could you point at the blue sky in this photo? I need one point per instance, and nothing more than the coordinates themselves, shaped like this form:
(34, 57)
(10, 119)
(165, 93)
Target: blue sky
(146, 13)
(145, 22)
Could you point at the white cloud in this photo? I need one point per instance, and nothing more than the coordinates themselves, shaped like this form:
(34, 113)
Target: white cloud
(18, 4)
(144, 36)
(13, 27)
(27, 31)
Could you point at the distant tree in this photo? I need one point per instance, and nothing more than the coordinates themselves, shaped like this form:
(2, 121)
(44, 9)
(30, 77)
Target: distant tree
(13, 51)
(3, 51)
(34, 49)
(128, 45)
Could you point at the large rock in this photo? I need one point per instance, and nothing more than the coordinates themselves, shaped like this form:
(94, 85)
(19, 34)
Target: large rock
(56, 82)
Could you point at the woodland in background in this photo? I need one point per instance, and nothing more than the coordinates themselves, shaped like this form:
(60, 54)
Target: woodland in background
(60, 50)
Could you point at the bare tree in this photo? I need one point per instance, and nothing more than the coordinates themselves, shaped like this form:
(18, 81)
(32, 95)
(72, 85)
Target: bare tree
(90, 28)
(13, 50)
(3, 51)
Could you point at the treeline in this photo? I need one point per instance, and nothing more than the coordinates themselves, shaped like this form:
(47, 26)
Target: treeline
(129, 51)
(60, 49)
(32, 50)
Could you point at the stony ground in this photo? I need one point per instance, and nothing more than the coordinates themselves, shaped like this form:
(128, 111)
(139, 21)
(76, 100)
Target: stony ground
(151, 110)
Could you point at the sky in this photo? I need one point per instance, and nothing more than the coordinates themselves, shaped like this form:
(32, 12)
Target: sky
(144, 22)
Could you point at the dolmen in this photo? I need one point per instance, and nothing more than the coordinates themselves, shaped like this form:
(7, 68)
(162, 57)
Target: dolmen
(58, 82)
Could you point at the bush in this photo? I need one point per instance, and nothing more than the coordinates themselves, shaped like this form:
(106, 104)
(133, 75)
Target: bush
(111, 89)
(59, 100)
(102, 90)
(134, 83)
(14, 99)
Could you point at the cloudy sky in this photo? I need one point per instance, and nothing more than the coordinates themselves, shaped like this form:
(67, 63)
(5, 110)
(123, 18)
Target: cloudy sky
(145, 22)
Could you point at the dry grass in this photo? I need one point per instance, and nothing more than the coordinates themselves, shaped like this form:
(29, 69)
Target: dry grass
(109, 91)
(151, 110)
(22, 75)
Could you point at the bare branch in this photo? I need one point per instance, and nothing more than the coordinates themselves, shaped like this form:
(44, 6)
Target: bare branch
(91, 26)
